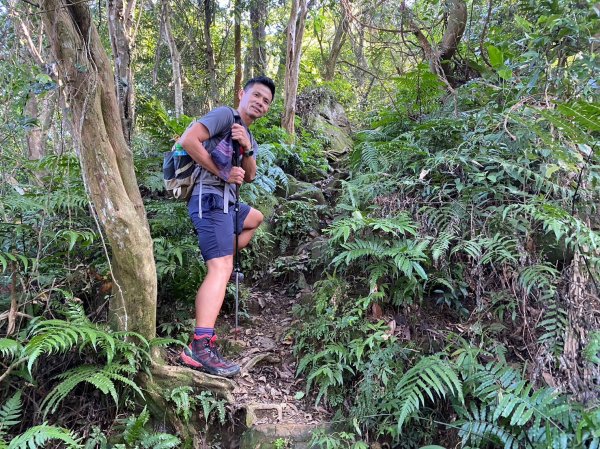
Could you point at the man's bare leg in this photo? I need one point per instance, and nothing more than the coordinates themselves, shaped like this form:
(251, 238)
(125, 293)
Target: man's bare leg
(251, 224)
(211, 293)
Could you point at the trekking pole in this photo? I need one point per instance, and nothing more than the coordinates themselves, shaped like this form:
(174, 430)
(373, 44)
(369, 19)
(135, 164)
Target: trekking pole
(236, 163)
(237, 257)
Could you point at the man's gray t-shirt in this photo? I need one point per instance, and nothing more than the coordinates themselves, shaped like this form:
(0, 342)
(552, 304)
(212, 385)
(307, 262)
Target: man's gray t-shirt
(218, 122)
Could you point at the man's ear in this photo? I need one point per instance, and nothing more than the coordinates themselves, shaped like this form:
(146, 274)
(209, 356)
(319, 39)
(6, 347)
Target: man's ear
(240, 94)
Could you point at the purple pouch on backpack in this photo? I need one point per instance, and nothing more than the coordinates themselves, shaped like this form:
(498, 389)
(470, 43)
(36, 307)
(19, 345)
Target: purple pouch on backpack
(222, 156)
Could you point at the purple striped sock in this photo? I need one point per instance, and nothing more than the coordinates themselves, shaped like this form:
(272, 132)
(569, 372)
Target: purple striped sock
(204, 331)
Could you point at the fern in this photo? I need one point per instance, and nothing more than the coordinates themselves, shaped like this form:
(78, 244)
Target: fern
(181, 397)
(39, 436)
(430, 377)
(540, 276)
(100, 377)
(592, 349)
(553, 326)
(136, 435)
(210, 405)
(58, 336)
(441, 244)
(480, 428)
(10, 349)
(10, 413)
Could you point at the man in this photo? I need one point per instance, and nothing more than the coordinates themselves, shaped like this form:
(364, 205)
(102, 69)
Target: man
(212, 212)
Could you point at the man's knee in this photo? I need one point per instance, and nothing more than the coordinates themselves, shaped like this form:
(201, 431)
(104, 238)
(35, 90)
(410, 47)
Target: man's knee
(220, 264)
(254, 219)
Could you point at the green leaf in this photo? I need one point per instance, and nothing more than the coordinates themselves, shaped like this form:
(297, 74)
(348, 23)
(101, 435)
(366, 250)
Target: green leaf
(505, 73)
(496, 56)
(585, 114)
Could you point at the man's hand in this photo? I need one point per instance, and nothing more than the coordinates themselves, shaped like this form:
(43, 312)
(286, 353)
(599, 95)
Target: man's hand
(236, 176)
(239, 133)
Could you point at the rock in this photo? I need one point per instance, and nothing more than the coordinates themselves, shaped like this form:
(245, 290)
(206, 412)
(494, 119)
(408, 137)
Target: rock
(267, 436)
(300, 190)
(325, 116)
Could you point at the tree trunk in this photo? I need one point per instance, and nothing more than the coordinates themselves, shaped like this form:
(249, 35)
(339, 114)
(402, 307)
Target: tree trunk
(175, 58)
(40, 108)
(120, 30)
(336, 46)
(258, 22)
(358, 45)
(211, 71)
(247, 65)
(439, 58)
(237, 39)
(157, 53)
(107, 162)
(457, 21)
(295, 32)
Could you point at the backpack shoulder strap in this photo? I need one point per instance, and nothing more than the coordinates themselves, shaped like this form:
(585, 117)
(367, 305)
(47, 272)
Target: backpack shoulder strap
(236, 116)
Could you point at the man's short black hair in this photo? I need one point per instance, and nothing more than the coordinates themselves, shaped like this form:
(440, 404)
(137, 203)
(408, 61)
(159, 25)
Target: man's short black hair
(261, 80)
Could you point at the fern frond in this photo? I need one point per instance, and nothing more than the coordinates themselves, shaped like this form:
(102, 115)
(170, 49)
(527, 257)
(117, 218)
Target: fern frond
(585, 114)
(359, 249)
(408, 257)
(38, 436)
(160, 441)
(431, 376)
(10, 412)
(100, 377)
(441, 244)
(479, 429)
(541, 276)
(135, 427)
(400, 225)
(10, 349)
(341, 230)
(553, 326)
(57, 336)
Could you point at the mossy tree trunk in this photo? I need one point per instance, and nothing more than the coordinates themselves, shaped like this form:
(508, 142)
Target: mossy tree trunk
(106, 160)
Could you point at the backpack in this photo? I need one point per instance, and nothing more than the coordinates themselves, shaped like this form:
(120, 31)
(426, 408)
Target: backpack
(180, 171)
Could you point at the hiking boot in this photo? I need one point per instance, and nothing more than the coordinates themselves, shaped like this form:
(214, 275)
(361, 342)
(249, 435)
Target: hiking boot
(240, 276)
(202, 354)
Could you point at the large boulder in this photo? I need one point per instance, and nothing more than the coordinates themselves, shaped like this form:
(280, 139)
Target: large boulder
(325, 116)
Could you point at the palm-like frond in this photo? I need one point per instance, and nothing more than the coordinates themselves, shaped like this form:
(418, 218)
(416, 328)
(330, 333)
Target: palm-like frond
(430, 377)
(39, 436)
(10, 349)
(10, 412)
(102, 378)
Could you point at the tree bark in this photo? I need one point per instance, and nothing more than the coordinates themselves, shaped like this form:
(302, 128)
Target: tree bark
(107, 162)
(247, 65)
(237, 39)
(211, 70)
(439, 58)
(121, 30)
(258, 23)
(336, 46)
(295, 33)
(175, 58)
(41, 109)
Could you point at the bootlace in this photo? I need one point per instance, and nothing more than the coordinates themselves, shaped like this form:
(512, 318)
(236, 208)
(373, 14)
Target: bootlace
(211, 347)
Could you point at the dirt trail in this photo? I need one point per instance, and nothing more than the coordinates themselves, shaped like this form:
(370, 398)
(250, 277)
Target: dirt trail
(267, 386)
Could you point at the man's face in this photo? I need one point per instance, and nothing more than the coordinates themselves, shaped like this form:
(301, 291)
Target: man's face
(255, 101)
